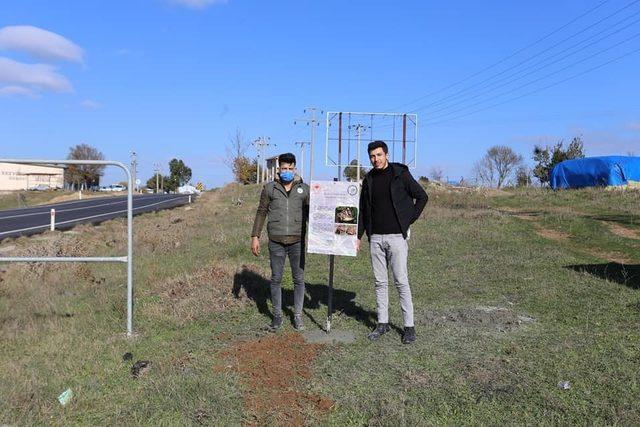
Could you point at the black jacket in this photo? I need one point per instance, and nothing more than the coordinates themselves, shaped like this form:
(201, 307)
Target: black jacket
(408, 198)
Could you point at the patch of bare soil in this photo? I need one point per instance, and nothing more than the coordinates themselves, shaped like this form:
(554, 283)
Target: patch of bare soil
(617, 257)
(491, 318)
(489, 378)
(552, 234)
(621, 231)
(195, 295)
(274, 371)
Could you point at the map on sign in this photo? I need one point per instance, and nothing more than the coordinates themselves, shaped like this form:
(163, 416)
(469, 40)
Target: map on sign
(333, 218)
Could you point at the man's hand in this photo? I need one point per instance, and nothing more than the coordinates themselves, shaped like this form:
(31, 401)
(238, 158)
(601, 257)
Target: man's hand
(255, 246)
(358, 245)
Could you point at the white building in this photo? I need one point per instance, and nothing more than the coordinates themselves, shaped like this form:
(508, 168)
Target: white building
(15, 176)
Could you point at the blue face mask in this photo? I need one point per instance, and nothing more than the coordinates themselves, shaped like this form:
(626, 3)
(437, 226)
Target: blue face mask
(286, 176)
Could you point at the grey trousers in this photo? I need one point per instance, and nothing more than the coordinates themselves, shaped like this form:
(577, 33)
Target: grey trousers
(277, 257)
(391, 250)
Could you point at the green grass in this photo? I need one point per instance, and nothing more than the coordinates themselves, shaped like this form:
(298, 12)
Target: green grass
(477, 262)
(20, 199)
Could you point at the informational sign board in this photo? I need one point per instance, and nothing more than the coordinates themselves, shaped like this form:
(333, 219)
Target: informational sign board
(333, 217)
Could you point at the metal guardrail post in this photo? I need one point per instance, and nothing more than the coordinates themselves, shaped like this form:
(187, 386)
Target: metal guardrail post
(128, 259)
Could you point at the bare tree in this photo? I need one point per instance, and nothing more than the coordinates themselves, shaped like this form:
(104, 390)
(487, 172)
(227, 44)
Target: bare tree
(436, 173)
(84, 176)
(235, 149)
(243, 168)
(484, 172)
(497, 166)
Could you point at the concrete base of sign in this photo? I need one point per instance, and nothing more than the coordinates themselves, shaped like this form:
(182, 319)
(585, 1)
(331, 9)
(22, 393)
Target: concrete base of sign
(335, 337)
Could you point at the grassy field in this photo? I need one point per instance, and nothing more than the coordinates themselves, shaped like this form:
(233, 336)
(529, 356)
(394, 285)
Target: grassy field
(514, 291)
(21, 199)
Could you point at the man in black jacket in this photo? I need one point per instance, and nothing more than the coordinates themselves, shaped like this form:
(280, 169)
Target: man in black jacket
(390, 201)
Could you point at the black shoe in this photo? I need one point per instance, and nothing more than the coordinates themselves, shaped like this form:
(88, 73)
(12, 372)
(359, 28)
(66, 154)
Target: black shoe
(380, 330)
(276, 323)
(297, 322)
(409, 335)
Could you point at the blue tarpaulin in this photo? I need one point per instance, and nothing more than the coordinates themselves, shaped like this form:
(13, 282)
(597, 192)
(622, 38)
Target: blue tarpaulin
(595, 171)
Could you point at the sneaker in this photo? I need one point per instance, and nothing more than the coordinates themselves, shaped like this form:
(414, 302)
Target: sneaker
(380, 330)
(297, 322)
(276, 323)
(409, 335)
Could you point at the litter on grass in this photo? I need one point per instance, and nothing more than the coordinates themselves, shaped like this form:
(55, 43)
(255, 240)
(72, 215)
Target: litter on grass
(65, 397)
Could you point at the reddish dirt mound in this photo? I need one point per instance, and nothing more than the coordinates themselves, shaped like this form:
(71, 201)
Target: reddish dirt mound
(274, 371)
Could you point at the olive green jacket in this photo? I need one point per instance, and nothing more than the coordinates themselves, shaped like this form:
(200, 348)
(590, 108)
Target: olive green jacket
(286, 214)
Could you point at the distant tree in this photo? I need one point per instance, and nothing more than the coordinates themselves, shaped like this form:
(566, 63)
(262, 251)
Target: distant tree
(351, 173)
(151, 182)
(179, 173)
(245, 170)
(523, 176)
(436, 173)
(423, 179)
(547, 157)
(497, 166)
(84, 176)
(169, 183)
(484, 172)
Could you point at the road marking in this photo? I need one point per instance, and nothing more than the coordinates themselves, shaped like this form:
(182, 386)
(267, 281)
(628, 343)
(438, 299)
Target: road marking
(88, 217)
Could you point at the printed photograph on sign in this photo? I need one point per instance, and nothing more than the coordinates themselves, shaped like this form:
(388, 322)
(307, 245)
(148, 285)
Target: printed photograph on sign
(346, 214)
(348, 230)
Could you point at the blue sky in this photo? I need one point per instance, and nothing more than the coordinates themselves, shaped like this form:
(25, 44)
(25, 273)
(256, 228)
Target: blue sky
(176, 78)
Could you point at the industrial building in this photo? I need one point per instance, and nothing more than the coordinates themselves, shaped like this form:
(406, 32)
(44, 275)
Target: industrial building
(15, 177)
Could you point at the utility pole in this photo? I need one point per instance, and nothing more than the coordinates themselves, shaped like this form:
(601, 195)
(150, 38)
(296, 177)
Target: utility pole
(359, 129)
(312, 121)
(302, 144)
(134, 169)
(260, 145)
(157, 171)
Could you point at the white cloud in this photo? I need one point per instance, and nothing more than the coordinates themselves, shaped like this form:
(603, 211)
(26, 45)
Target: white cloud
(40, 43)
(90, 104)
(41, 76)
(197, 4)
(13, 90)
(634, 126)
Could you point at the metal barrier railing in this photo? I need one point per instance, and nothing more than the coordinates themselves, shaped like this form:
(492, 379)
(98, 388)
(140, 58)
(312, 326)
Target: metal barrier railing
(128, 259)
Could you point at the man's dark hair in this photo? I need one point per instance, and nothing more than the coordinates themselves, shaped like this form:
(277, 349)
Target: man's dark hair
(377, 144)
(287, 158)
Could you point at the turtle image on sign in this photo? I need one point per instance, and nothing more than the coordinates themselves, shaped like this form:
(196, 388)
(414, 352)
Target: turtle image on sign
(333, 218)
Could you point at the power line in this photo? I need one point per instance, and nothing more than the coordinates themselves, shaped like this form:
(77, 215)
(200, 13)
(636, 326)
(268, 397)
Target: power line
(540, 40)
(478, 85)
(538, 79)
(539, 89)
(508, 82)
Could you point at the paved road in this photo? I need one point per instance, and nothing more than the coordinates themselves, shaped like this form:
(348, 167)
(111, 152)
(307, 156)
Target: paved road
(24, 221)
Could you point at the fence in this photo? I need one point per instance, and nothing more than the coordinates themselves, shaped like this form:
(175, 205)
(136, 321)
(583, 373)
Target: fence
(124, 259)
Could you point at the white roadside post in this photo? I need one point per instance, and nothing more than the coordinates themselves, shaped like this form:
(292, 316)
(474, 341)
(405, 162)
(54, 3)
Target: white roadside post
(53, 219)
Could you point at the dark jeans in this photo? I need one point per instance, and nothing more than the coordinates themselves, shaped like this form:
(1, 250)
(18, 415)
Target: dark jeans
(277, 256)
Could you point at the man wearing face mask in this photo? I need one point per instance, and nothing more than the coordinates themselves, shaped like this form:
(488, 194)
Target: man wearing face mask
(284, 204)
